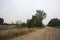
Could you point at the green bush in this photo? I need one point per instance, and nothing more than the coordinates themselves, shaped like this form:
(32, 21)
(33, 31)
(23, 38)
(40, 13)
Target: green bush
(55, 22)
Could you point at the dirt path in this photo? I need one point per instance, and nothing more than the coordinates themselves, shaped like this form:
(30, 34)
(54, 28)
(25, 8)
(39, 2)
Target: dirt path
(42, 34)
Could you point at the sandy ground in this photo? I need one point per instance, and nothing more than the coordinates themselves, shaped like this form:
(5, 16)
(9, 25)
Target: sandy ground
(42, 34)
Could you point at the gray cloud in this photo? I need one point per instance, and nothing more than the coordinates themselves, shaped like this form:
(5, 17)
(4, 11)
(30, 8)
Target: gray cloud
(24, 9)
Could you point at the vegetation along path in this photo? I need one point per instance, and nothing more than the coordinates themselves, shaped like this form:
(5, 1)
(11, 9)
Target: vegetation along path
(42, 34)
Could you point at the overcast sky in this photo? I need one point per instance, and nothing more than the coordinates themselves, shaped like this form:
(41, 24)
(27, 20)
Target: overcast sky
(12, 10)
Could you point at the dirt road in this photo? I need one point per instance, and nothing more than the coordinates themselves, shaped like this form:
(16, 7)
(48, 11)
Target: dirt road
(42, 34)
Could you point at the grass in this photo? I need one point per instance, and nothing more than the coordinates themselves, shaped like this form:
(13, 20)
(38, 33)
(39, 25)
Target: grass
(55, 27)
(11, 33)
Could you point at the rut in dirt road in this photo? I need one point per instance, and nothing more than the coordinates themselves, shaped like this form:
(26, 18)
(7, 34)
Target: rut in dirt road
(42, 34)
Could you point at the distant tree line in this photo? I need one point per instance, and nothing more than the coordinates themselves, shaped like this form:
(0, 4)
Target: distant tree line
(35, 21)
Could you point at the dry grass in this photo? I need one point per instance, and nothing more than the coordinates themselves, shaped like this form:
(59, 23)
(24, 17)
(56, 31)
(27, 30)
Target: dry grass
(47, 33)
(10, 33)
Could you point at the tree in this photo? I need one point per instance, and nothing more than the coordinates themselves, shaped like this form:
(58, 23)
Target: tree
(54, 22)
(36, 20)
(29, 23)
(1, 20)
(18, 22)
(40, 15)
(23, 24)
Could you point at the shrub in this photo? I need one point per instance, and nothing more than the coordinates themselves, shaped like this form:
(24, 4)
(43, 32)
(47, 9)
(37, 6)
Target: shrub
(54, 22)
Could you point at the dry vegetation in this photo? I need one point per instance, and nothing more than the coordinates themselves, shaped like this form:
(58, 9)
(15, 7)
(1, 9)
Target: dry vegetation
(47, 33)
(10, 33)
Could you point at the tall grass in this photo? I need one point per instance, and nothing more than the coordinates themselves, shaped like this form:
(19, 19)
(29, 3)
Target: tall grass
(10, 33)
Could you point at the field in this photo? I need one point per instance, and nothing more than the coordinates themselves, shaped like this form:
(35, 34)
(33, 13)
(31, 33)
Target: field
(5, 27)
(14, 32)
(10, 32)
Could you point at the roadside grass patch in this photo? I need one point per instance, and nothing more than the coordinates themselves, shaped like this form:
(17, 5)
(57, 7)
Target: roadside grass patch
(11, 33)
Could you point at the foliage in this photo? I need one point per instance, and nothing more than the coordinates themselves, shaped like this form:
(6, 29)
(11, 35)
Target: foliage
(40, 14)
(1, 20)
(23, 25)
(36, 20)
(18, 22)
(54, 22)
(11, 33)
